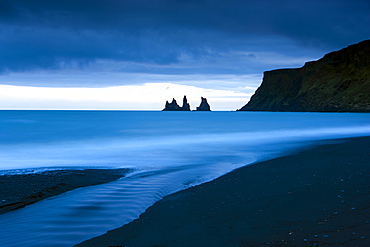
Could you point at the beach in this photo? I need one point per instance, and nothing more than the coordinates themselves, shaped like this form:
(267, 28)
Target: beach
(20, 190)
(318, 196)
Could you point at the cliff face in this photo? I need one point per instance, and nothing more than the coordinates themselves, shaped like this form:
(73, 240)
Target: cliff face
(340, 81)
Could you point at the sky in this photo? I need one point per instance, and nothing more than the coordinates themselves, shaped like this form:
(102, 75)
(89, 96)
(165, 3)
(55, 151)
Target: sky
(136, 54)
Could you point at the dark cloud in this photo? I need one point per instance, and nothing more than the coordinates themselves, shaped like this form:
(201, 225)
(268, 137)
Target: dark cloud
(41, 34)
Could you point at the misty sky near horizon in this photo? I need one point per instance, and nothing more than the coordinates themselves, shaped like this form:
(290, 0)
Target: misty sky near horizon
(130, 54)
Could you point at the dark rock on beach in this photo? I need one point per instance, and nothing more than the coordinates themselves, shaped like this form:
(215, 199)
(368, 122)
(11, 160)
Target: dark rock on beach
(338, 82)
(204, 106)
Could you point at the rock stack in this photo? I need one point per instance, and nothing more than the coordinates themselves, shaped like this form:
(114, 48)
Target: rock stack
(173, 106)
(204, 106)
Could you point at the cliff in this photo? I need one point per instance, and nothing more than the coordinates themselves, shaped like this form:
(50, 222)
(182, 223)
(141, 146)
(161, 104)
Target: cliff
(338, 82)
(173, 106)
(204, 106)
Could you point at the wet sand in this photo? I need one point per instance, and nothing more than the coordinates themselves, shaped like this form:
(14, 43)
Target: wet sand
(317, 197)
(18, 191)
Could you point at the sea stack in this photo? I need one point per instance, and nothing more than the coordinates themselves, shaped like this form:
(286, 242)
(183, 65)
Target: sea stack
(173, 106)
(185, 104)
(204, 106)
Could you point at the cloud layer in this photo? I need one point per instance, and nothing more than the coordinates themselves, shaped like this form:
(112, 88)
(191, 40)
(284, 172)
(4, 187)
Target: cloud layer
(174, 36)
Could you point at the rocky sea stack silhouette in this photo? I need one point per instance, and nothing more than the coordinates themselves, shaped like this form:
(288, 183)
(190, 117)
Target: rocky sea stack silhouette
(173, 106)
(204, 106)
(338, 82)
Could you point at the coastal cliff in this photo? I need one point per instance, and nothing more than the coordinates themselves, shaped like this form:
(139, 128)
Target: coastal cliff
(338, 82)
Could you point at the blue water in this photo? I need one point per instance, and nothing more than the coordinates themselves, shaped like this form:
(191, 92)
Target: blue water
(168, 151)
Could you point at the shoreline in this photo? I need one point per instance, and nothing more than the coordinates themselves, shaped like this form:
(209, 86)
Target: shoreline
(20, 190)
(318, 196)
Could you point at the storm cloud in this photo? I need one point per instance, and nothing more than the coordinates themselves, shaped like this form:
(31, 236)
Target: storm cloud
(173, 36)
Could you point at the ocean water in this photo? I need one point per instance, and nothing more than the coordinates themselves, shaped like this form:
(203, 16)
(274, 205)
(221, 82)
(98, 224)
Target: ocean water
(167, 151)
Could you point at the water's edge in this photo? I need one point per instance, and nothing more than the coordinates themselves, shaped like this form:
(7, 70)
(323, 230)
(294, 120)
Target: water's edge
(168, 152)
(294, 150)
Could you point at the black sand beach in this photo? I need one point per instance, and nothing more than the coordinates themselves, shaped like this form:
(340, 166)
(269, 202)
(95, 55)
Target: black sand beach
(317, 197)
(18, 191)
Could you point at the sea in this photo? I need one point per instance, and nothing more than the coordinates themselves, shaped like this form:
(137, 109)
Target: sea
(166, 151)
